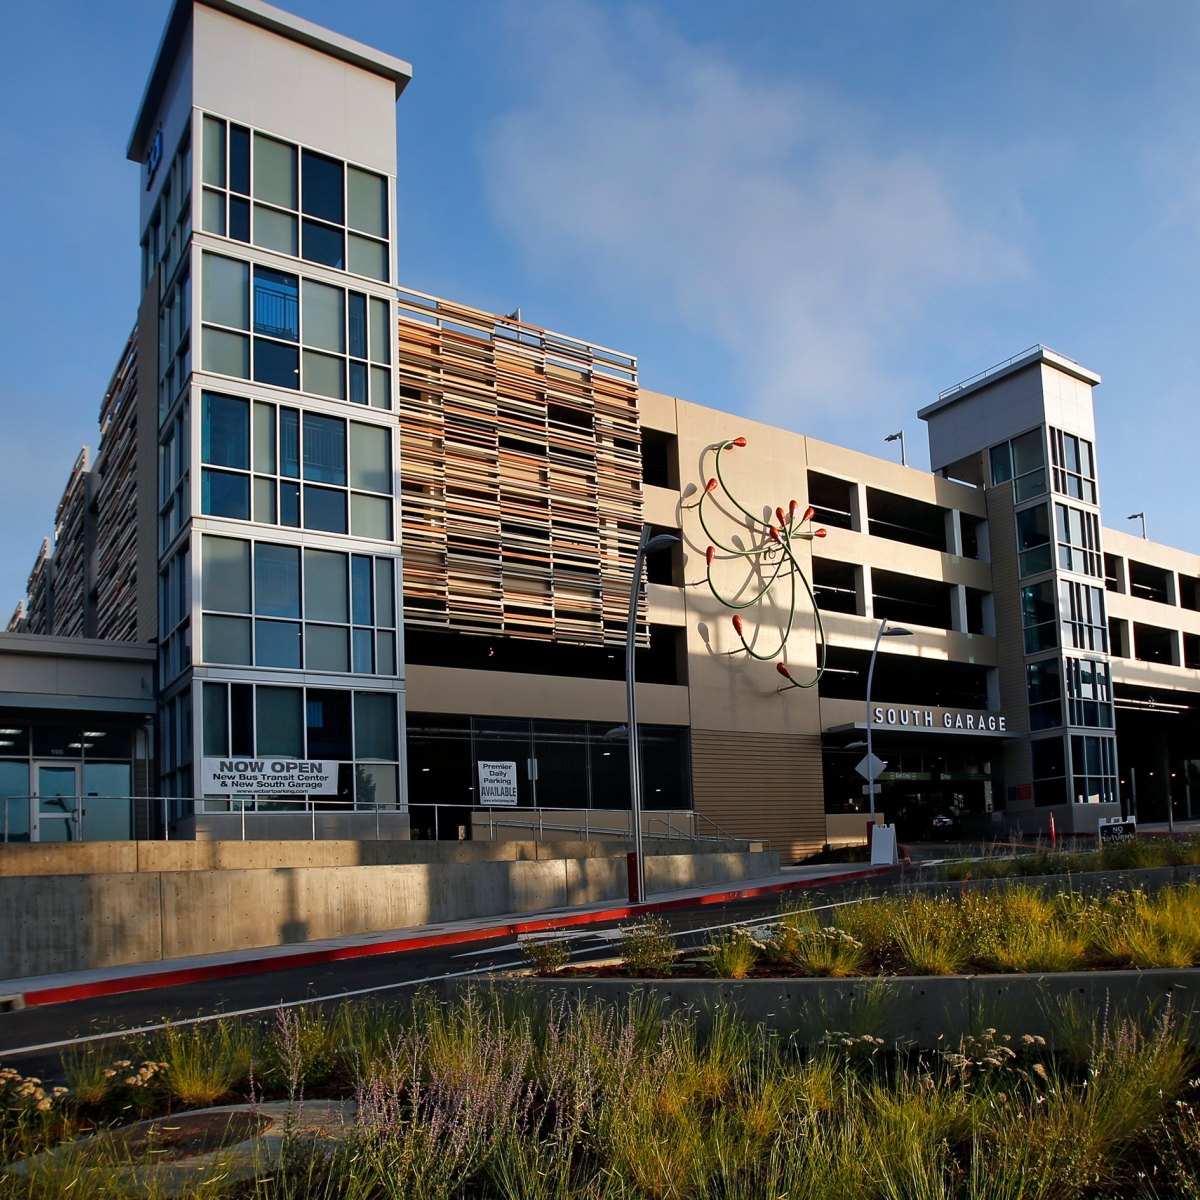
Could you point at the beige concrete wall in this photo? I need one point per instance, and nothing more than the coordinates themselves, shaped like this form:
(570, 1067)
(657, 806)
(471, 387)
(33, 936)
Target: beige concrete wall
(74, 922)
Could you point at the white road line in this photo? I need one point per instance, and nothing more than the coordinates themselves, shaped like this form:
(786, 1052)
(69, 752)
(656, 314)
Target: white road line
(248, 1012)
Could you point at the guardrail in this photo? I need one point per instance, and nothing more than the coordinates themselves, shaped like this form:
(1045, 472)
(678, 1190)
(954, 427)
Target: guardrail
(155, 818)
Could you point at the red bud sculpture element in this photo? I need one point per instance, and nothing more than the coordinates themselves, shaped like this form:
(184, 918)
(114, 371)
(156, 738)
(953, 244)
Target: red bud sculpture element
(761, 543)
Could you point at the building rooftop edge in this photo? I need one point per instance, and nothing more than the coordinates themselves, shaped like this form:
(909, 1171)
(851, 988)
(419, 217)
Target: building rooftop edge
(1035, 355)
(79, 647)
(265, 16)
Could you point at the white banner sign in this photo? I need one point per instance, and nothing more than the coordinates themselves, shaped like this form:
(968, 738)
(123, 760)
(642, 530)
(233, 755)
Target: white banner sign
(286, 776)
(497, 783)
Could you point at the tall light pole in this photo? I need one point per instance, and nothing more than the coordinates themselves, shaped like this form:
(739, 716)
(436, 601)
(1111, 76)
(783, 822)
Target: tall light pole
(885, 630)
(898, 437)
(647, 544)
(1139, 516)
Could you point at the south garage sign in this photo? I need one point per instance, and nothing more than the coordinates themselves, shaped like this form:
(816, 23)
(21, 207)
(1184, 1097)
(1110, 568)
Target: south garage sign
(955, 719)
(269, 776)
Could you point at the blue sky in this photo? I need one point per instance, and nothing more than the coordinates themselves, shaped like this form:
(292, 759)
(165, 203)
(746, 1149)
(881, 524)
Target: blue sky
(815, 214)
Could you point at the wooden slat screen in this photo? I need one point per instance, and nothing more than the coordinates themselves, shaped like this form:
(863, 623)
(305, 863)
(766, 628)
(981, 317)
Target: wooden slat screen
(115, 560)
(762, 786)
(521, 476)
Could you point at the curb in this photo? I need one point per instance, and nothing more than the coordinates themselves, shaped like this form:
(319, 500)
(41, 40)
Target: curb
(177, 976)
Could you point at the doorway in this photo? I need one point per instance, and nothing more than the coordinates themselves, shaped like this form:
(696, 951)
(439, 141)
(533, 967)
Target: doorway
(54, 806)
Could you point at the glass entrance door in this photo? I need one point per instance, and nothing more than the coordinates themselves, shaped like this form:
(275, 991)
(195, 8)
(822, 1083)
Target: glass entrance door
(56, 811)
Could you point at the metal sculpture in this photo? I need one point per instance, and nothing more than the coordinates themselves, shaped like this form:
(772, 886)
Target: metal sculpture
(769, 558)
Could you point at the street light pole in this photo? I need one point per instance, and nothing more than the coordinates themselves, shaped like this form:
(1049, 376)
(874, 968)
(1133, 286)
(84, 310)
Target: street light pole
(884, 631)
(646, 545)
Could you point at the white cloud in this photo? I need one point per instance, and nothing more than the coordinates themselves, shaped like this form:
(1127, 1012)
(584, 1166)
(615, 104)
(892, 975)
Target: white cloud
(754, 208)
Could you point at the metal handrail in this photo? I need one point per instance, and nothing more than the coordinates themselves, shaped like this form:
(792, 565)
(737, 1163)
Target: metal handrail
(151, 817)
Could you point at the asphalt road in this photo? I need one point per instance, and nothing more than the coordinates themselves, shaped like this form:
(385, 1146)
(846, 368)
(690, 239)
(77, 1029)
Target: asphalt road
(33, 1040)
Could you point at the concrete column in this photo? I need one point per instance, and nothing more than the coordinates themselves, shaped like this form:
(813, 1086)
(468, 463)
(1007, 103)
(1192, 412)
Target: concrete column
(858, 507)
(864, 592)
(953, 532)
(958, 608)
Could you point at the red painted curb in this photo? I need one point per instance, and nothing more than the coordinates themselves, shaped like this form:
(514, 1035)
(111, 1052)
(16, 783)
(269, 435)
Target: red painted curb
(228, 970)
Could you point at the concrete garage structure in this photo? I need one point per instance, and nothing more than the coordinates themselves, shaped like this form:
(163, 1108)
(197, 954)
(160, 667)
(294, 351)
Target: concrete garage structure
(389, 538)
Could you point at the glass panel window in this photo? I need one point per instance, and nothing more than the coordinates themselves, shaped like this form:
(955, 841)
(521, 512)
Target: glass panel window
(358, 324)
(370, 516)
(274, 171)
(276, 304)
(323, 189)
(289, 443)
(375, 734)
(216, 719)
(226, 353)
(276, 580)
(325, 585)
(1045, 694)
(214, 152)
(367, 196)
(326, 648)
(224, 494)
(275, 230)
(1033, 540)
(225, 298)
(324, 509)
(324, 449)
(385, 593)
(225, 573)
(227, 640)
(324, 316)
(360, 574)
(264, 437)
(239, 160)
(323, 244)
(277, 644)
(276, 363)
(329, 724)
(325, 375)
(366, 257)
(381, 322)
(376, 786)
(225, 431)
(1039, 617)
(280, 721)
(363, 642)
(370, 458)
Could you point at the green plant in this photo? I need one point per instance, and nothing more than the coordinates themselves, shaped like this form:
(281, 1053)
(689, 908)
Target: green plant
(546, 953)
(734, 953)
(830, 952)
(648, 947)
(204, 1064)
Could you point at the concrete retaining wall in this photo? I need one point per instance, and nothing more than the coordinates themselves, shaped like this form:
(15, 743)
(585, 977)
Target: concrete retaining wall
(919, 1012)
(207, 898)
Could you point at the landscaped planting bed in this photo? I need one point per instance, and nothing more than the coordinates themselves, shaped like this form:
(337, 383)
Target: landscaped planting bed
(1014, 929)
(490, 1098)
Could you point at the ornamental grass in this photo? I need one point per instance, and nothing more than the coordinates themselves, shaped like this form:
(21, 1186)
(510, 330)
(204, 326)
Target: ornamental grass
(495, 1099)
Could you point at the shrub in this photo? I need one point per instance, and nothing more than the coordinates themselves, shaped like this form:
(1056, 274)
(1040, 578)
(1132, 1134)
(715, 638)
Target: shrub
(648, 947)
(546, 953)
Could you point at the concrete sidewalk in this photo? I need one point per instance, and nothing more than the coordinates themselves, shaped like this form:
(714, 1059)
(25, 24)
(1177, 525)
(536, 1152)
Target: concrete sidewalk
(134, 977)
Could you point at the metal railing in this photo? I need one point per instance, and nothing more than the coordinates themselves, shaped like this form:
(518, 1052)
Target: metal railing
(158, 818)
